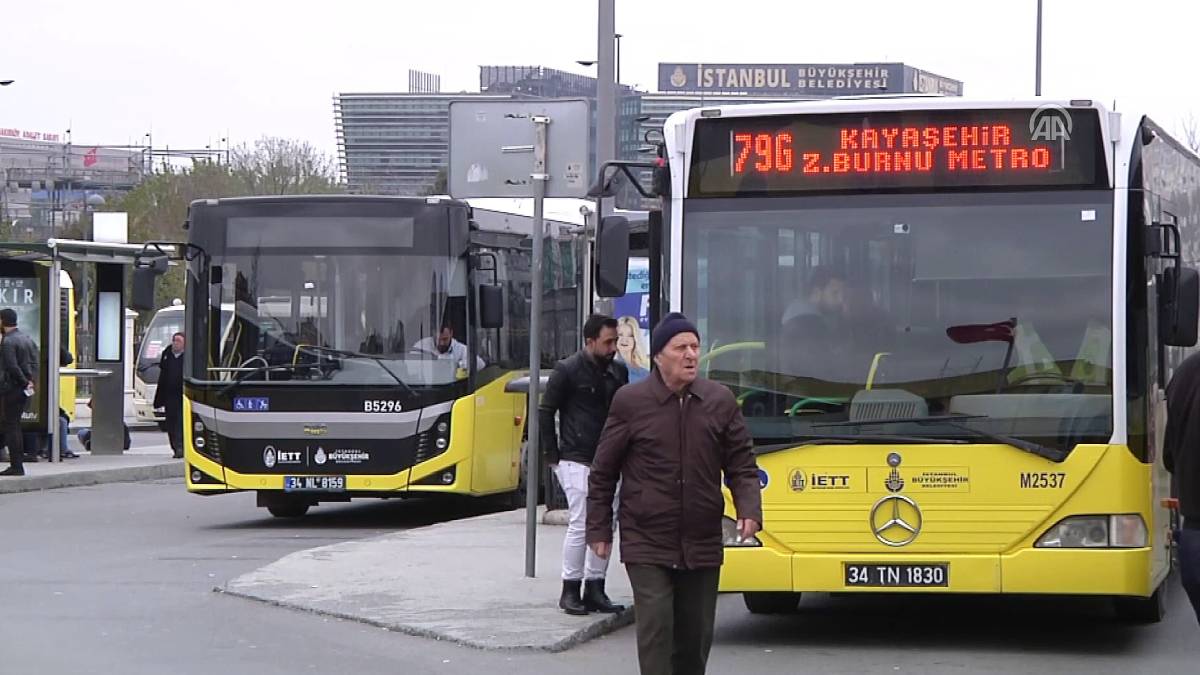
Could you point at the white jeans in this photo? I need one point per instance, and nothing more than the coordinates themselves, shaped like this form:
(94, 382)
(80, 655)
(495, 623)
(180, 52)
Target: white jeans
(578, 560)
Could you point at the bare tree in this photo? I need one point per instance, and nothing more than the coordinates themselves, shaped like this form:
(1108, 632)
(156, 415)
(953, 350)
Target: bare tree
(280, 166)
(1191, 131)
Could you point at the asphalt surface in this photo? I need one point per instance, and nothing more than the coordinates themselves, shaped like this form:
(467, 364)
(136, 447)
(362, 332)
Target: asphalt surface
(120, 578)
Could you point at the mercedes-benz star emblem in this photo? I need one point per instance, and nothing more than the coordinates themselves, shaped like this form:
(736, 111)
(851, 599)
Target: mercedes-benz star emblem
(896, 520)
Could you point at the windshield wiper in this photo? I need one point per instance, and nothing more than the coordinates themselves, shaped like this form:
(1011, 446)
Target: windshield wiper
(247, 374)
(370, 357)
(1053, 454)
(848, 439)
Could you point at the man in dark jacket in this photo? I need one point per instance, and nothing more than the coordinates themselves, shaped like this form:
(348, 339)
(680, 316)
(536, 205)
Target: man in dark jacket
(19, 361)
(169, 393)
(669, 438)
(580, 390)
(1181, 455)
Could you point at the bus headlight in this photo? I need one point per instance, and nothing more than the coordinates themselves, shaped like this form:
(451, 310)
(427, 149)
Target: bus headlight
(731, 538)
(1114, 531)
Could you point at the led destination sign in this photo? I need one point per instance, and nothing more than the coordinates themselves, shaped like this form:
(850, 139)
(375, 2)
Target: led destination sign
(926, 149)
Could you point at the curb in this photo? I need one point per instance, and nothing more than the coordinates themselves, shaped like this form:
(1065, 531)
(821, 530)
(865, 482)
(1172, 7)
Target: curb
(84, 478)
(592, 631)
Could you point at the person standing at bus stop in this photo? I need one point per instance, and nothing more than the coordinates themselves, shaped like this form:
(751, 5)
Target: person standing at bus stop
(1181, 456)
(580, 389)
(19, 363)
(169, 394)
(669, 438)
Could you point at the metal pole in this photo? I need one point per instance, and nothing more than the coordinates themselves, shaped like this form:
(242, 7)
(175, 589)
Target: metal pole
(618, 60)
(533, 456)
(53, 343)
(606, 106)
(1037, 86)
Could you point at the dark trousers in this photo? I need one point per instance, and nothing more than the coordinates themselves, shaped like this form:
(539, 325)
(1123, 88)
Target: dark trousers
(13, 406)
(1189, 565)
(174, 420)
(675, 612)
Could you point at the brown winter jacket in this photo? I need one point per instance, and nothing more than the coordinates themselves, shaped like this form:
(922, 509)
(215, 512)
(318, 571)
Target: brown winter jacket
(670, 454)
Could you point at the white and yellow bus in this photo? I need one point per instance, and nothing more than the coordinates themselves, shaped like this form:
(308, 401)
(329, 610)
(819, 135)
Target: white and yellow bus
(949, 324)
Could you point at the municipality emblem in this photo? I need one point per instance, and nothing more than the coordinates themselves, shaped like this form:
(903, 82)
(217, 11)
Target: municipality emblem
(894, 483)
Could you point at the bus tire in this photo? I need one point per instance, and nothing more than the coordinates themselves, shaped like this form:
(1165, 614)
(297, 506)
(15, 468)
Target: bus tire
(1142, 610)
(771, 602)
(284, 506)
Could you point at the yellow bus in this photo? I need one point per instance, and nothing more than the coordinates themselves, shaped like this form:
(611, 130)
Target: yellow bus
(949, 324)
(369, 352)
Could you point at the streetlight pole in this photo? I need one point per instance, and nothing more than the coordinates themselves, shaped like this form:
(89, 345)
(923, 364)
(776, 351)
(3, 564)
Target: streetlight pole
(618, 37)
(1037, 86)
(606, 108)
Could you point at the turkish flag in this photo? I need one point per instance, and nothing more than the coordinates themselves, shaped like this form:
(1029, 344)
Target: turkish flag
(90, 158)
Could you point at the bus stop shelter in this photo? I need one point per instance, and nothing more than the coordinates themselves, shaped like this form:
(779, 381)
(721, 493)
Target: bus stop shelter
(108, 297)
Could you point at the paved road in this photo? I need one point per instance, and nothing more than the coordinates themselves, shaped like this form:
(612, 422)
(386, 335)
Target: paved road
(119, 578)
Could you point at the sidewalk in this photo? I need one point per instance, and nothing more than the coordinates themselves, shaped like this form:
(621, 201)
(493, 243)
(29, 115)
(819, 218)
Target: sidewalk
(142, 462)
(461, 581)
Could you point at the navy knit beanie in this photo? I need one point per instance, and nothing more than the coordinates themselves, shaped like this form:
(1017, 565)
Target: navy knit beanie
(671, 325)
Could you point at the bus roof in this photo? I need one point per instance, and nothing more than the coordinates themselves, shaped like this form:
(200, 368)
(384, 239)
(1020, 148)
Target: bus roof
(878, 102)
(272, 199)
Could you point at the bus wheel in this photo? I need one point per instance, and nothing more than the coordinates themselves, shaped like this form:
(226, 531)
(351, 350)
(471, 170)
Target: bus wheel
(1142, 610)
(284, 506)
(771, 603)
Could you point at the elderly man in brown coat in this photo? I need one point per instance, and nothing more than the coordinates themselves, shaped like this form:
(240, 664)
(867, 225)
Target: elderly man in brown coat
(670, 437)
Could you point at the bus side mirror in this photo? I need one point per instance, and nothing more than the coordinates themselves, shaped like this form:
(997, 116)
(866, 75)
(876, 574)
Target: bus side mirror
(491, 307)
(612, 256)
(145, 273)
(1179, 307)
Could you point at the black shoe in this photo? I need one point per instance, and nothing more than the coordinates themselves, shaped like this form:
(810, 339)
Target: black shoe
(570, 602)
(68, 454)
(596, 600)
(13, 471)
(177, 454)
(31, 459)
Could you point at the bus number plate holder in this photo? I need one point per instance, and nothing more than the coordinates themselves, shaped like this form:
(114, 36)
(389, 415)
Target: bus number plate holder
(891, 575)
(314, 483)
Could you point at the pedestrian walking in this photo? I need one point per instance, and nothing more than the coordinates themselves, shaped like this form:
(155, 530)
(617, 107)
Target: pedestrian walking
(19, 363)
(580, 389)
(169, 394)
(1181, 455)
(668, 439)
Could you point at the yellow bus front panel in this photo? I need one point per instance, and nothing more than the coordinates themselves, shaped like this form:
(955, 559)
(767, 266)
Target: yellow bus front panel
(978, 510)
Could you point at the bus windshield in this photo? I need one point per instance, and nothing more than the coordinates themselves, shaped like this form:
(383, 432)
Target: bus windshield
(358, 300)
(993, 310)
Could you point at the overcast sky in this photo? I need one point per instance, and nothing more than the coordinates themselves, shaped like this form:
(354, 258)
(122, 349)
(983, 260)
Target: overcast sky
(192, 71)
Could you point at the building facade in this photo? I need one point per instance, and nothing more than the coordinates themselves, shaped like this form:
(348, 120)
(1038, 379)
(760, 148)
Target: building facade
(396, 143)
(47, 181)
(393, 143)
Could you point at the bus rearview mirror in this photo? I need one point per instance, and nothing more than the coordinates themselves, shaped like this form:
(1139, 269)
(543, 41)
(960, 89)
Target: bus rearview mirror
(145, 274)
(1179, 307)
(612, 256)
(491, 307)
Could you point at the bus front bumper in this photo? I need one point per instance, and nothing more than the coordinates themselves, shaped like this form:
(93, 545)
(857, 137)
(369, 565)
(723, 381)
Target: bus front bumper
(1026, 571)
